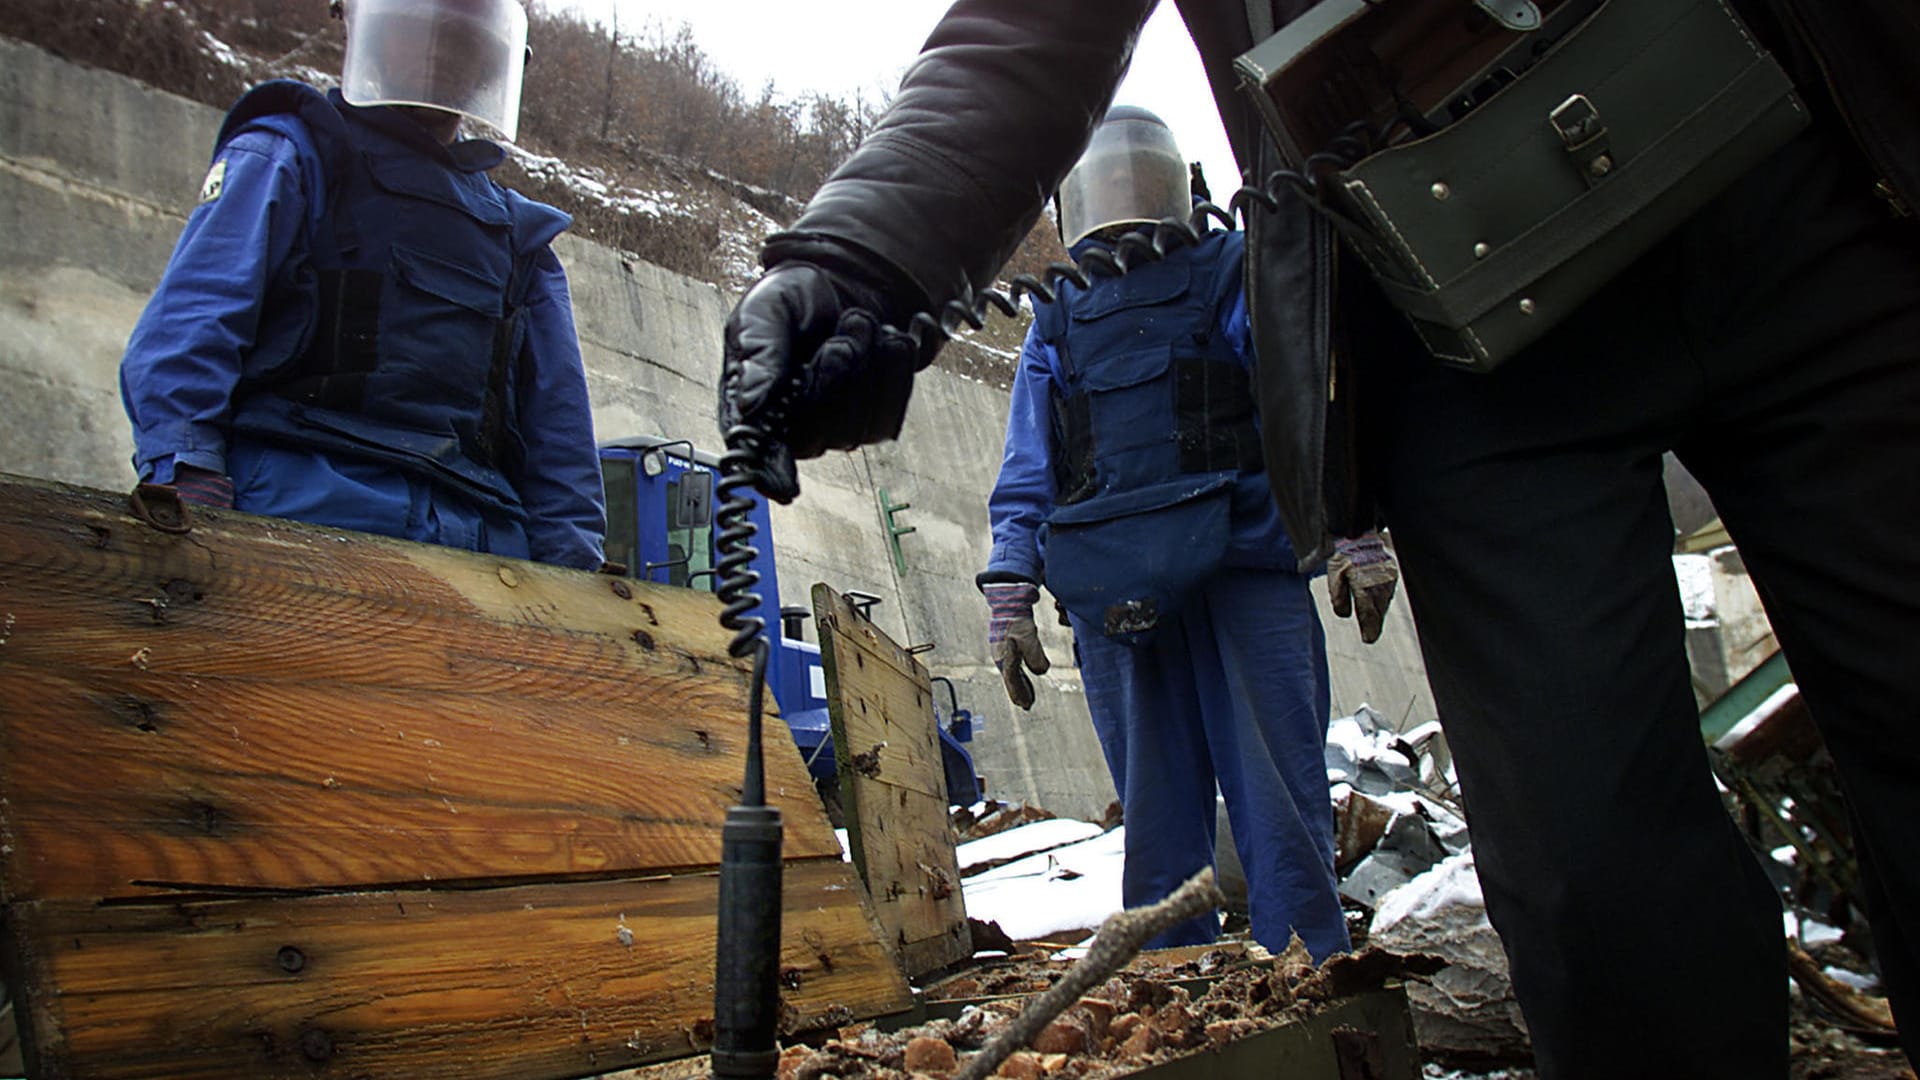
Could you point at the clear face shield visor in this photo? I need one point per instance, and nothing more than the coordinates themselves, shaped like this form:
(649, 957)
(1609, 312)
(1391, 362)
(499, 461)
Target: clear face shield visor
(1132, 173)
(463, 56)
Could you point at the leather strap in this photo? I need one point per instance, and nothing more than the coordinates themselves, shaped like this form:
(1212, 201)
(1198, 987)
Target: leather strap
(1260, 19)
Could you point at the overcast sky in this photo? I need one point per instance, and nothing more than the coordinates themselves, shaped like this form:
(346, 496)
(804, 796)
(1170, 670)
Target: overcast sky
(843, 46)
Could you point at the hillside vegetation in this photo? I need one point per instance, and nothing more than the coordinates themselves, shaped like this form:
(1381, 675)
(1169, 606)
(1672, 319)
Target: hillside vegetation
(634, 131)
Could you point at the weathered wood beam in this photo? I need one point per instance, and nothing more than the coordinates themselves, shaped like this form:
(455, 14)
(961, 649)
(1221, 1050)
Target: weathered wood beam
(280, 800)
(893, 785)
(258, 704)
(534, 981)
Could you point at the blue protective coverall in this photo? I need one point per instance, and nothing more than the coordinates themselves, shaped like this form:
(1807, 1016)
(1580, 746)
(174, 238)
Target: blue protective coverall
(361, 329)
(1131, 484)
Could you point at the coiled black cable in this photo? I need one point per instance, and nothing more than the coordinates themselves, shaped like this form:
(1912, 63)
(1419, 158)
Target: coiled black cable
(1141, 246)
(733, 542)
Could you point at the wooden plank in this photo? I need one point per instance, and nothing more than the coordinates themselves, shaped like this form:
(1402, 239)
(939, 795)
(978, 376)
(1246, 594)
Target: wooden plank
(532, 981)
(892, 786)
(124, 790)
(480, 797)
(90, 587)
(265, 705)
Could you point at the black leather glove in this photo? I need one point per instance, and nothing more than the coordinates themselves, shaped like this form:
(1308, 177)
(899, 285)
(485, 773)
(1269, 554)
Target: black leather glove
(809, 363)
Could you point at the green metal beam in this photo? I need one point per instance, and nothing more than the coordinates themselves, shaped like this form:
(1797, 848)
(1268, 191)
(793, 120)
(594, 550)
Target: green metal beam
(888, 508)
(1743, 697)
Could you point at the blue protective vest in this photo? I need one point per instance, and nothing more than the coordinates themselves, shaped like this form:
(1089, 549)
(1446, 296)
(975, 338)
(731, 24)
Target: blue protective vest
(420, 269)
(1153, 436)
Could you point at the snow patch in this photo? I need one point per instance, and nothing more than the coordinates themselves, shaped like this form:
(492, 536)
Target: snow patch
(1025, 840)
(1070, 888)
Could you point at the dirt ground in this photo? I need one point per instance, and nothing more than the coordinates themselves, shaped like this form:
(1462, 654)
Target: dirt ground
(1158, 1010)
(1151, 1013)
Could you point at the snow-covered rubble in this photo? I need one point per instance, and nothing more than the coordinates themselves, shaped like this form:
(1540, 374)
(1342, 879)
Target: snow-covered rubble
(1374, 758)
(1402, 846)
(1467, 1008)
(1067, 888)
(1006, 846)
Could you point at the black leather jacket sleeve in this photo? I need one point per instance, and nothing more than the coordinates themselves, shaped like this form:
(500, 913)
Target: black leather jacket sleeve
(1866, 52)
(988, 120)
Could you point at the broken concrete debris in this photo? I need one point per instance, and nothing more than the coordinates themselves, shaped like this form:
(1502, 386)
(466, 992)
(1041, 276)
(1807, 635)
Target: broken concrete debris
(1405, 864)
(1132, 1022)
(1403, 854)
(1467, 1010)
(1366, 753)
(1396, 810)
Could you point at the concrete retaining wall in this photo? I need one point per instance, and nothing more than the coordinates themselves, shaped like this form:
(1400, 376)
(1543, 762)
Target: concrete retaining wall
(97, 173)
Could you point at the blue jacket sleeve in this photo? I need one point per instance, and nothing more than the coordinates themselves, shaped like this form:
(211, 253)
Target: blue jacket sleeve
(1023, 494)
(559, 481)
(183, 360)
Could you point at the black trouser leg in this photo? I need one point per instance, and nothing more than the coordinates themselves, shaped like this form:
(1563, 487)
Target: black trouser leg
(1530, 520)
(1528, 513)
(1810, 447)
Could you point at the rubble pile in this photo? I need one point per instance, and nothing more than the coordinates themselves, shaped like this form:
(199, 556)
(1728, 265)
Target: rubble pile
(1395, 809)
(1466, 1011)
(992, 816)
(1405, 867)
(1406, 863)
(1035, 972)
(1135, 1020)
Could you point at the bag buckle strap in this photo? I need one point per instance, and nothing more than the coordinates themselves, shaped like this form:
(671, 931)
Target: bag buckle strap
(1585, 136)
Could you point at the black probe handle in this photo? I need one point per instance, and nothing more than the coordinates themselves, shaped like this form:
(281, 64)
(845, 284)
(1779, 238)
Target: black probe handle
(746, 989)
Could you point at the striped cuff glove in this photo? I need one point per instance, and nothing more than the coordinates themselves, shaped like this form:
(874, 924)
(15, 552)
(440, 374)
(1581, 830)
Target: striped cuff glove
(203, 487)
(1361, 578)
(1012, 638)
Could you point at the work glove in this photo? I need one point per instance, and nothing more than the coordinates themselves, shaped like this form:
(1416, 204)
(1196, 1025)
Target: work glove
(1361, 578)
(202, 487)
(1012, 638)
(808, 363)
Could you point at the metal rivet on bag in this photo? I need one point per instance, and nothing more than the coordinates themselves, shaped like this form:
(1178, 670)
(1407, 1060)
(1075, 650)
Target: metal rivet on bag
(1527, 307)
(1601, 165)
(1441, 191)
(1481, 250)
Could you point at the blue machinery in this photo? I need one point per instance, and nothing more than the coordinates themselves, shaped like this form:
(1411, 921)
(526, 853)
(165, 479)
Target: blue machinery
(660, 508)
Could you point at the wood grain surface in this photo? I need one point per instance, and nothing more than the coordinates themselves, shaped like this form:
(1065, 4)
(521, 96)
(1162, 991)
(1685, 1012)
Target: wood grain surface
(480, 799)
(263, 705)
(892, 785)
(531, 981)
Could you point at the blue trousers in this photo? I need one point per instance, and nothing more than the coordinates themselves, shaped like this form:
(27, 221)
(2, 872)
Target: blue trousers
(1231, 691)
(306, 485)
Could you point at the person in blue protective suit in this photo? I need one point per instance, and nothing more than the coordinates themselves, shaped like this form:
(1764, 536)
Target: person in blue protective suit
(1132, 486)
(358, 326)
